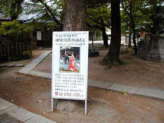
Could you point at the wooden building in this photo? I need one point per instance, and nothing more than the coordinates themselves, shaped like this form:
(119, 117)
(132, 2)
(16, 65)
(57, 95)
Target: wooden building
(14, 47)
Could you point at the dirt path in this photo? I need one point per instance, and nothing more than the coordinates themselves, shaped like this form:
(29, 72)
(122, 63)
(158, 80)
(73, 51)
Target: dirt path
(105, 106)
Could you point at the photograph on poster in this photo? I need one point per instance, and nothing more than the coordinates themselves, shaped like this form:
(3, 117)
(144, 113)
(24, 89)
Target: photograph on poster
(69, 59)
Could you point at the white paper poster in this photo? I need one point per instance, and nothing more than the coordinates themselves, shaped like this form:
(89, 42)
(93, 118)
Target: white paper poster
(39, 35)
(70, 65)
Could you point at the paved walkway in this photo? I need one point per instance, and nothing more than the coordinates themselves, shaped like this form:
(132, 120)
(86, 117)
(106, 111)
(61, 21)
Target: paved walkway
(10, 113)
(149, 92)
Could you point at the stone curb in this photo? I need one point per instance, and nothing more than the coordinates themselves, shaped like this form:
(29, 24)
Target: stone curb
(21, 114)
(34, 63)
(12, 65)
(148, 92)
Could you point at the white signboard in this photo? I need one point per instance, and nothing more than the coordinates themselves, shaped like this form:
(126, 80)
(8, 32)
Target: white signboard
(70, 65)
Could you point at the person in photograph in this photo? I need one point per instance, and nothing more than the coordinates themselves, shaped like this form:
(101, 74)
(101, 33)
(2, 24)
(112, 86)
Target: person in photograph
(66, 57)
(72, 63)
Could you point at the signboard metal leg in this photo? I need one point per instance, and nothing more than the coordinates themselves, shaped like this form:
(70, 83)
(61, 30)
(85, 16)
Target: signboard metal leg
(86, 108)
(52, 104)
(55, 103)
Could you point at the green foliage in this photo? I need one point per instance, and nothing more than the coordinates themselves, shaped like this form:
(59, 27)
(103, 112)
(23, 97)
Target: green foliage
(98, 17)
(45, 10)
(14, 27)
(11, 8)
(137, 11)
(142, 12)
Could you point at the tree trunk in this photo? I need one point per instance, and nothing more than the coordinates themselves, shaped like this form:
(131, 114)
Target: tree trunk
(114, 50)
(15, 9)
(134, 41)
(130, 40)
(132, 24)
(105, 37)
(74, 15)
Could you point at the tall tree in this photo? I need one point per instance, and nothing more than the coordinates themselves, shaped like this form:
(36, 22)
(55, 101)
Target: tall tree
(75, 13)
(137, 14)
(129, 9)
(73, 18)
(46, 10)
(98, 19)
(11, 8)
(49, 11)
(114, 50)
(155, 7)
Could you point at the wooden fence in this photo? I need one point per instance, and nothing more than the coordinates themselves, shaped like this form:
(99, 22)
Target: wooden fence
(15, 51)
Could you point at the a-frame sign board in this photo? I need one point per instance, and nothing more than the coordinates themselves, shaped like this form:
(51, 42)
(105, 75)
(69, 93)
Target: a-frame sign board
(70, 66)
